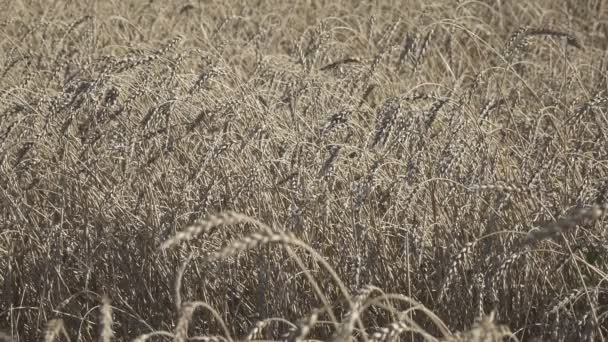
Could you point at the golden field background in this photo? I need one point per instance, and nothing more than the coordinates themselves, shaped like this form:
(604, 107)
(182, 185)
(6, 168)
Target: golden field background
(324, 170)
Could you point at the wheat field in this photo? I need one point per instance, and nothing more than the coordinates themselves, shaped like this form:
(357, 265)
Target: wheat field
(303, 170)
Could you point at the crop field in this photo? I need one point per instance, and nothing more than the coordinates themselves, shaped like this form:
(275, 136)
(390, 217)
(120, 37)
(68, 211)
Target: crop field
(301, 170)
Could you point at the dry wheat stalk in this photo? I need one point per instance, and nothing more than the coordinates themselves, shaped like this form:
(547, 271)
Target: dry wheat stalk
(303, 328)
(353, 315)
(202, 227)
(185, 317)
(458, 262)
(106, 320)
(252, 241)
(5, 337)
(55, 329)
(485, 330)
(109, 141)
(145, 337)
